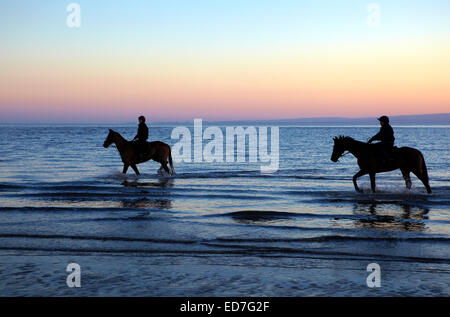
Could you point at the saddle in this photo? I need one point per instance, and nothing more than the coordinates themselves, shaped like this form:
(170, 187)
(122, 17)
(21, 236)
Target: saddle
(141, 147)
(385, 153)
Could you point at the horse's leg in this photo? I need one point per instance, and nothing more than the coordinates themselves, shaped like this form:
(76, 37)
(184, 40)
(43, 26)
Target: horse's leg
(427, 186)
(164, 165)
(406, 177)
(135, 169)
(423, 178)
(372, 181)
(125, 168)
(356, 176)
(170, 161)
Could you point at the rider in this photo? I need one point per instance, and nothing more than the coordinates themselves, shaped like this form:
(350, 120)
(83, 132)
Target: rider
(385, 136)
(142, 135)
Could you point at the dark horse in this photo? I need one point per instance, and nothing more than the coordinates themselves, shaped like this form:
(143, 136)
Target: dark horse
(405, 158)
(158, 151)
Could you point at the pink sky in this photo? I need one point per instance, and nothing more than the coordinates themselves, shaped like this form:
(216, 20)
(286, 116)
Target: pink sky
(80, 77)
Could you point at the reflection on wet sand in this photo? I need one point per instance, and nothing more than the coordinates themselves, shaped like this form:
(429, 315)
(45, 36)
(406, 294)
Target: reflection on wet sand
(146, 203)
(161, 182)
(249, 217)
(391, 217)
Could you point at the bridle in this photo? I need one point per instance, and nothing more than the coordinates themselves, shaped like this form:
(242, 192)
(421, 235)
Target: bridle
(344, 154)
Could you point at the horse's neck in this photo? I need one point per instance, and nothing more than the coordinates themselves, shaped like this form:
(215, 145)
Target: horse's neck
(120, 142)
(356, 147)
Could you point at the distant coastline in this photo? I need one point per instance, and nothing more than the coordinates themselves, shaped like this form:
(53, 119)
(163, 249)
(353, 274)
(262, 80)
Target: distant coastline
(422, 119)
(438, 119)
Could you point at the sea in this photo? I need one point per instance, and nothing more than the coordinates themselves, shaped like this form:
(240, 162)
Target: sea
(218, 228)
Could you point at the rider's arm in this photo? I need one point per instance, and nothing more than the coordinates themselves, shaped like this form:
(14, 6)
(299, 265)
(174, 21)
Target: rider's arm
(145, 132)
(139, 133)
(375, 137)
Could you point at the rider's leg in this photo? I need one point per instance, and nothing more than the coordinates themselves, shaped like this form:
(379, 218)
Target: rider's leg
(141, 147)
(388, 150)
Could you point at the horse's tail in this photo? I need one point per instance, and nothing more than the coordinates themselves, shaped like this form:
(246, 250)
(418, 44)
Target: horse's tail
(423, 172)
(423, 168)
(170, 161)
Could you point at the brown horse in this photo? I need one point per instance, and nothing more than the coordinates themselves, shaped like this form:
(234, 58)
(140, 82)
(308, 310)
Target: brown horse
(158, 151)
(405, 158)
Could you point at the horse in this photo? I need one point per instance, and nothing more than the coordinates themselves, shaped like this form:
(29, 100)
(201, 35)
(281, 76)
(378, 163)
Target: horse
(158, 151)
(405, 158)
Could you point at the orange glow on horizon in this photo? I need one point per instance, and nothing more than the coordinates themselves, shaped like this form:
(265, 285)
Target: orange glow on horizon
(349, 81)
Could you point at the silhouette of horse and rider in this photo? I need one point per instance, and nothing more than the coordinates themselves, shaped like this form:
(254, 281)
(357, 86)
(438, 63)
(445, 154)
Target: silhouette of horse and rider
(372, 158)
(139, 150)
(382, 157)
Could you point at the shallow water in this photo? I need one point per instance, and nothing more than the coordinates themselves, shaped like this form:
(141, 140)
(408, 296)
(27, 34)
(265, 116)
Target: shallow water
(218, 229)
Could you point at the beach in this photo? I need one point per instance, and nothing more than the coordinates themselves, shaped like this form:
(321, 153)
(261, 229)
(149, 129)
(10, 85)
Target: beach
(218, 228)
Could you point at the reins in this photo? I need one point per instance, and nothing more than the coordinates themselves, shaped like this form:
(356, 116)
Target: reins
(344, 154)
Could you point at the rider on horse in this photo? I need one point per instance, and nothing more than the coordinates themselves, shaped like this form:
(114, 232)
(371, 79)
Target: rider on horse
(141, 137)
(386, 138)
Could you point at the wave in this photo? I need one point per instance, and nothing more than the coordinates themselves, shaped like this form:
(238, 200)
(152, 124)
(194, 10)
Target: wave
(89, 187)
(104, 183)
(262, 214)
(119, 196)
(259, 213)
(282, 173)
(7, 187)
(325, 238)
(129, 208)
(400, 218)
(334, 238)
(265, 251)
(99, 238)
(267, 215)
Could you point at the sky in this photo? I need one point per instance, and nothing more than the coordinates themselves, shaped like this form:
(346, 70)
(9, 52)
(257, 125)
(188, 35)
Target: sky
(175, 60)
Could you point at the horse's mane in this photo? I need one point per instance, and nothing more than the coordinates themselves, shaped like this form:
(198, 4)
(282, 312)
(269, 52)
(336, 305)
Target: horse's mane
(342, 138)
(116, 133)
(346, 138)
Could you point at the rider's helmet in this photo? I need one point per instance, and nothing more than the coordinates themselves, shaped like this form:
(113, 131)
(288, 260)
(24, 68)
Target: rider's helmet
(141, 118)
(384, 119)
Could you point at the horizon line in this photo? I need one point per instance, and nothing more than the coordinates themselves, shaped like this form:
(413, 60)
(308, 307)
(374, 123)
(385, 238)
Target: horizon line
(230, 120)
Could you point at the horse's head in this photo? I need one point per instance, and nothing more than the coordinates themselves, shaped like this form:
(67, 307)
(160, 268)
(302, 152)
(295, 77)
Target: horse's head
(109, 139)
(340, 146)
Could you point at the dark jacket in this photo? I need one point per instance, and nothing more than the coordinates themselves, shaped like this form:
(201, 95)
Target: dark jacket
(142, 134)
(385, 135)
